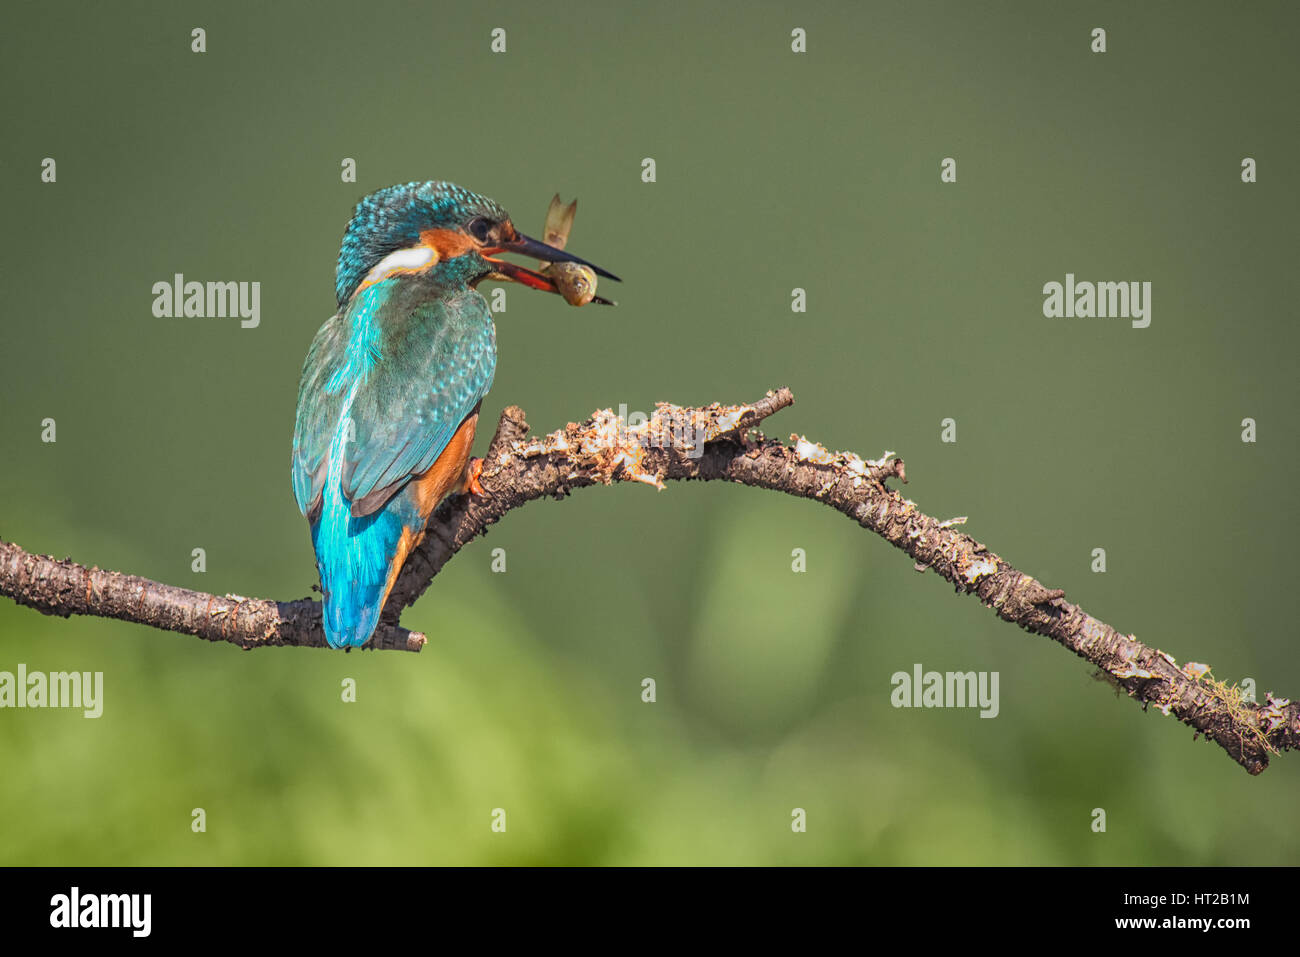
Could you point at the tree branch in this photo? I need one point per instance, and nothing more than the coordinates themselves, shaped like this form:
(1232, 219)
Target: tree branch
(713, 443)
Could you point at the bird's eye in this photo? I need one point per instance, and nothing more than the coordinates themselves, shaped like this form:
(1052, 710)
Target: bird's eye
(479, 229)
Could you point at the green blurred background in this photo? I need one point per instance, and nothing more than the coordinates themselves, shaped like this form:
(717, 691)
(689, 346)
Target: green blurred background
(775, 170)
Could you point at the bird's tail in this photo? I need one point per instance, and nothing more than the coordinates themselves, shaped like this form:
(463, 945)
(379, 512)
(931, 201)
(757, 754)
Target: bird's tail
(357, 559)
(351, 615)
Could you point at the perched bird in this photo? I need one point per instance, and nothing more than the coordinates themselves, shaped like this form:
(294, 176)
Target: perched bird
(390, 391)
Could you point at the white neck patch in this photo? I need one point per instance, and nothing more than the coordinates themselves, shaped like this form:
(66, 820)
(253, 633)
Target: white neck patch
(402, 260)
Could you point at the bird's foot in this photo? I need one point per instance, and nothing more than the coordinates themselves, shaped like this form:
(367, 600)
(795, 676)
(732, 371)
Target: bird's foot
(470, 483)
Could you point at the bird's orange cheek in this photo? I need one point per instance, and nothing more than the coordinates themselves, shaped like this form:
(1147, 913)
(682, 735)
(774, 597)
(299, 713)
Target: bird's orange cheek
(447, 243)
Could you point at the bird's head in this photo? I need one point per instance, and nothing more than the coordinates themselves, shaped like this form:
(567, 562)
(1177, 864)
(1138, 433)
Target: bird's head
(439, 227)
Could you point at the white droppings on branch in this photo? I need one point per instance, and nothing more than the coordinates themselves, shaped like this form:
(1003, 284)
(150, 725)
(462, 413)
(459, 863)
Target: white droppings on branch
(860, 469)
(979, 568)
(1131, 670)
(1271, 715)
(606, 447)
(806, 450)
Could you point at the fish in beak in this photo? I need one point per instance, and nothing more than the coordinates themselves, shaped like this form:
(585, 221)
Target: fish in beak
(527, 246)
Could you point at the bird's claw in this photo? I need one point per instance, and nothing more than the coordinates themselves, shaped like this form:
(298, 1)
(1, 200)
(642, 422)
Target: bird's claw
(473, 469)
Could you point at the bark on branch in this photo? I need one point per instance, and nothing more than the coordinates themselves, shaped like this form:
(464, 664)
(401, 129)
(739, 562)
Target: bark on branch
(711, 443)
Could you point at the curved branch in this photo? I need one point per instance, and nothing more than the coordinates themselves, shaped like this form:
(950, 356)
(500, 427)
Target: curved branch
(710, 444)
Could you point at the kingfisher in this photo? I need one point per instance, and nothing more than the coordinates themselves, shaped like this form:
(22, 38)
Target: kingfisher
(392, 385)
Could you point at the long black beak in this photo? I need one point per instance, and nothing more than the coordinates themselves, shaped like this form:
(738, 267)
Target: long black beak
(527, 246)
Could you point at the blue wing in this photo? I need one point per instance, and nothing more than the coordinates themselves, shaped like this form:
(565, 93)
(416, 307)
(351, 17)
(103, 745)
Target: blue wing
(416, 380)
(432, 375)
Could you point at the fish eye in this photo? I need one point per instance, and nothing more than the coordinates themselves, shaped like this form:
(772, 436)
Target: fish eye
(480, 229)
